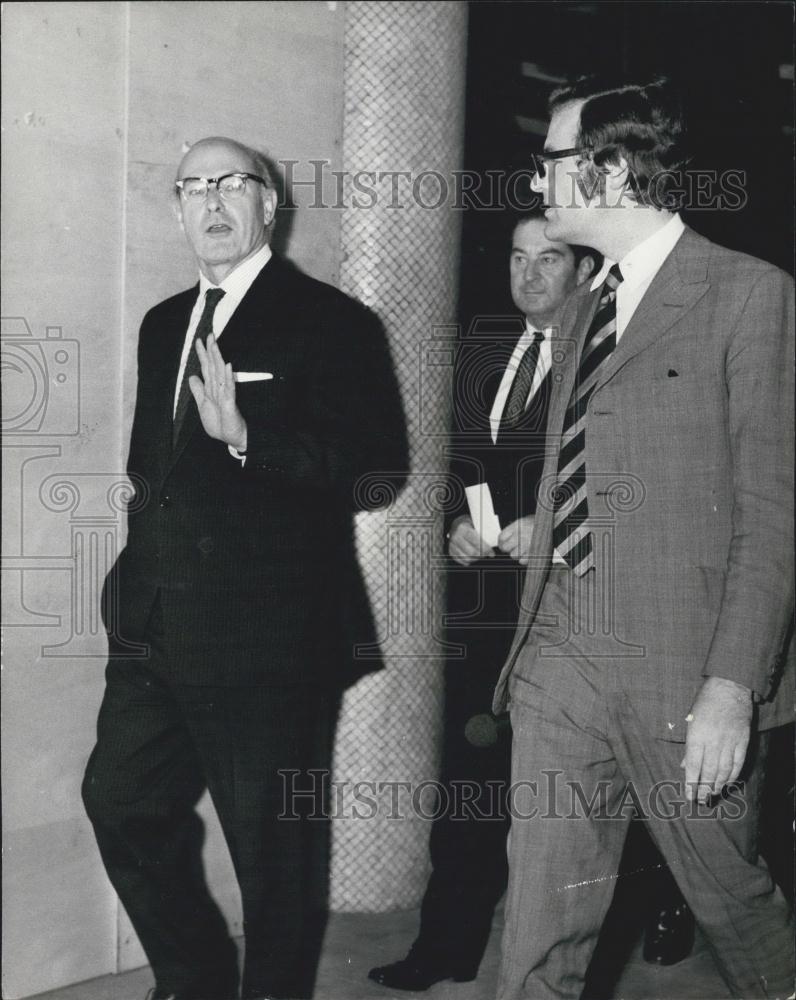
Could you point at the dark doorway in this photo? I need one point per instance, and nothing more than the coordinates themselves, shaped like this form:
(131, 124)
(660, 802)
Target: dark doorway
(733, 60)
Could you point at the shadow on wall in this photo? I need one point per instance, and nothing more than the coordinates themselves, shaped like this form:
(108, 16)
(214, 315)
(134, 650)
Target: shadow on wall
(286, 210)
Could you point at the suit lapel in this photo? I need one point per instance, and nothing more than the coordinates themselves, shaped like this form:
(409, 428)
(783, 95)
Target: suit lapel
(566, 354)
(244, 324)
(248, 320)
(171, 339)
(495, 367)
(676, 288)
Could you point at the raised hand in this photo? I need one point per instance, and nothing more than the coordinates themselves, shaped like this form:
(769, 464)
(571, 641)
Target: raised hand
(214, 393)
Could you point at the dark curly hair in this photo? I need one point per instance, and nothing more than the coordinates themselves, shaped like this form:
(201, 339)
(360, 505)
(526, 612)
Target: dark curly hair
(642, 122)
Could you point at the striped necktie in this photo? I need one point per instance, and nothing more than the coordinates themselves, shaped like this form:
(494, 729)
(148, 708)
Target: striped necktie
(571, 539)
(520, 390)
(192, 367)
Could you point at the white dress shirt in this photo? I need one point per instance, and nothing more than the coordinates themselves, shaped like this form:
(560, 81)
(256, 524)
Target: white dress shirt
(542, 368)
(235, 286)
(638, 269)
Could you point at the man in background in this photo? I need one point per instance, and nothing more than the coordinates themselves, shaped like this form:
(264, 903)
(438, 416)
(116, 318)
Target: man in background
(501, 389)
(232, 608)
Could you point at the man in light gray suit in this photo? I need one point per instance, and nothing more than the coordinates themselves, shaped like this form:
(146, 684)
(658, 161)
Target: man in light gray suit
(649, 657)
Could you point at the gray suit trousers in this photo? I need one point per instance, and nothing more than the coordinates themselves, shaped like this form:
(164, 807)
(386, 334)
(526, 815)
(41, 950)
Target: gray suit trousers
(583, 763)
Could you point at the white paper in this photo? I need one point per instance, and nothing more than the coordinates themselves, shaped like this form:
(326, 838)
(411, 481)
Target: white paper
(482, 512)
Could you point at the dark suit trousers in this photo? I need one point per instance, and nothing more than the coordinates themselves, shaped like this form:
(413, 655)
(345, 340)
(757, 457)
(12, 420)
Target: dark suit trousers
(468, 840)
(158, 747)
(584, 761)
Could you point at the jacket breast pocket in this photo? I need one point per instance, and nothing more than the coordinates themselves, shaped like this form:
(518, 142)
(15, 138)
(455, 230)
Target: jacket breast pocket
(685, 399)
(261, 398)
(675, 386)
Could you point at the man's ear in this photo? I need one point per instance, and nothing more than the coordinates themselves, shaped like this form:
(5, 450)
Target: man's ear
(269, 205)
(584, 270)
(176, 207)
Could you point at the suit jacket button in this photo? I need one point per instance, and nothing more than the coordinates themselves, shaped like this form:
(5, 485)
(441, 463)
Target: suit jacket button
(205, 546)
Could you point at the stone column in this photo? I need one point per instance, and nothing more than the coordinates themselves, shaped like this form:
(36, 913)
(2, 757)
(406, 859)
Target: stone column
(402, 138)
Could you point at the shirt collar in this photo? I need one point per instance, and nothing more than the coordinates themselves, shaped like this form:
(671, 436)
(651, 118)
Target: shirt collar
(530, 329)
(645, 260)
(240, 279)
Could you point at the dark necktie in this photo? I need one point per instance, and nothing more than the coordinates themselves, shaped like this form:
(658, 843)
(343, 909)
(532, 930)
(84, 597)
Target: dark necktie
(520, 390)
(192, 367)
(574, 542)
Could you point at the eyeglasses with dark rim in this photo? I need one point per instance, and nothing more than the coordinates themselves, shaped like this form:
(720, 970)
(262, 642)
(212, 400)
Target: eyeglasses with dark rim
(540, 160)
(229, 186)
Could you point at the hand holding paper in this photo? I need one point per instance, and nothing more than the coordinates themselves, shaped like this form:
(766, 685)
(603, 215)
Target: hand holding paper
(482, 512)
(515, 540)
(465, 545)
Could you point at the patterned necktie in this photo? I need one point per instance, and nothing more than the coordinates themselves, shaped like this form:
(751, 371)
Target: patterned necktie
(572, 541)
(520, 390)
(192, 367)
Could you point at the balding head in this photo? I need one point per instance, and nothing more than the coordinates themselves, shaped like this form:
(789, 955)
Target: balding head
(225, 229)
(257, 160)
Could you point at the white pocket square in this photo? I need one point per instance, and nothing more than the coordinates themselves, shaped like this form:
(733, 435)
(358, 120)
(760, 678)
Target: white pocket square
(252, 376)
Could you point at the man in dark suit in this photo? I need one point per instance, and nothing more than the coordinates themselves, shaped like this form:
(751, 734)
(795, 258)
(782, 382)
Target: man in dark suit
(232, 608)
(649, 659)
(501, 388)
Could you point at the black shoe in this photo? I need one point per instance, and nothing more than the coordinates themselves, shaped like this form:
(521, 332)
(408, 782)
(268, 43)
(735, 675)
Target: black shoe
(411, 974)
(669, 935)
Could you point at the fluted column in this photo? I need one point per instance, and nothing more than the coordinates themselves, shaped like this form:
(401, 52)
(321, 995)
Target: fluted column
(403, 132)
